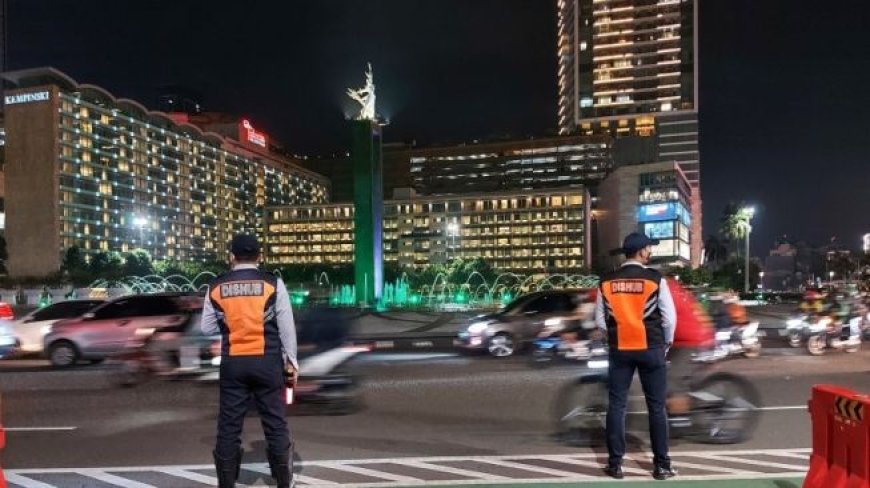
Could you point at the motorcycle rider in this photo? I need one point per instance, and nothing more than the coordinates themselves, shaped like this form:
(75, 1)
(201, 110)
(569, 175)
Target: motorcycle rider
(813, 303)
(693, 336)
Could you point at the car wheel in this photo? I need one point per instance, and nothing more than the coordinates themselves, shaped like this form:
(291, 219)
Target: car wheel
(63, 354)
(501, 345)
(794, 339)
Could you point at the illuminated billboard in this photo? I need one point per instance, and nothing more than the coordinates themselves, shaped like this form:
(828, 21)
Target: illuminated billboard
(248, 134)
(655, 212)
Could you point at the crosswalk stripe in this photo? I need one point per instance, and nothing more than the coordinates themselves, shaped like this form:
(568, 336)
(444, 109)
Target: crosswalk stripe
(300, 478)
(594, 464)
(183, 473)
(372, 473)
(535, 469)
(25, 482)
(457, 471)
(113, 480)
(754, 462)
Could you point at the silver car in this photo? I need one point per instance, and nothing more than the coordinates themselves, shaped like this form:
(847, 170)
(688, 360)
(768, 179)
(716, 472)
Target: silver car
(110, 327)
(507, 331)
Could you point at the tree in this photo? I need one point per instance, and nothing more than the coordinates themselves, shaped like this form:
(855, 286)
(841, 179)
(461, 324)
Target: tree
(735, 225)
(138, 263)
(715, 250)
(73, 260)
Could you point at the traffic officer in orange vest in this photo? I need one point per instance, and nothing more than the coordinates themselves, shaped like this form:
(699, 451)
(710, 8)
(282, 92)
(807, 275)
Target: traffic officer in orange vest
(251, 310)
(636, 309)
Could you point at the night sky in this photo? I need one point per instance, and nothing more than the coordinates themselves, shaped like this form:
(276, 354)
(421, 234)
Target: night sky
(785, 103)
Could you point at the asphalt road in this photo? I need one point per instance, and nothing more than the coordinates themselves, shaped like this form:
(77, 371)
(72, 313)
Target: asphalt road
(416, 405)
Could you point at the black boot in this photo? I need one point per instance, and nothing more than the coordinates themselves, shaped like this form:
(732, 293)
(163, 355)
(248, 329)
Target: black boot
(281, 466)
(227, 469)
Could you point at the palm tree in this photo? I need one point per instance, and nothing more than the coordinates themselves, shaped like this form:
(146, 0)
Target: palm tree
(735, 224)
(715, 250)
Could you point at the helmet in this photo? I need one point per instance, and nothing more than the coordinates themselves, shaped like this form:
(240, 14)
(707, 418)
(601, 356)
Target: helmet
(811, 295)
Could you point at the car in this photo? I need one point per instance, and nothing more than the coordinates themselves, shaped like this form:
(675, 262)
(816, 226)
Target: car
(8, 342)
(6, 312)
(109, 328)
(30, 330)
(507, 331)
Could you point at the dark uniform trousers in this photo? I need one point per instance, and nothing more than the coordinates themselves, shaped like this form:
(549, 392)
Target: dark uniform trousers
(244, 377)
(651, 366)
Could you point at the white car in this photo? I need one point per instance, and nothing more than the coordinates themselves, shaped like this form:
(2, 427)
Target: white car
(7, 339)
(30, 330)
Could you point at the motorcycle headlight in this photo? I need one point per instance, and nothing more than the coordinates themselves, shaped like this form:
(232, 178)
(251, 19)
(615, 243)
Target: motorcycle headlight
(723, 335)
(552, 322)
(792, 323)
(825, 322)
(478, 327)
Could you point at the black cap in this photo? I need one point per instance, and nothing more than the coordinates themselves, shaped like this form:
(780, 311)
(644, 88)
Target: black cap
(244, 245)
(636, 241)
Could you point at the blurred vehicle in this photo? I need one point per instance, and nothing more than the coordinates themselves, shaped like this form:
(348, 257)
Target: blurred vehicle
(739, 341)
(507, 331)
(559, 340)
(720, 408)
(797, 330)
(31, 329)
(6, 312)
(327, 381)
(827, 333)
(8, 342)
(109, 328)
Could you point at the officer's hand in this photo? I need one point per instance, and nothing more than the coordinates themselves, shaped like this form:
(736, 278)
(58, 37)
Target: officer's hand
(291, 375)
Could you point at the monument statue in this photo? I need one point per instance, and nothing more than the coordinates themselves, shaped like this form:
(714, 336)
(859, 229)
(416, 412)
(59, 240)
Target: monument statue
(365, 96)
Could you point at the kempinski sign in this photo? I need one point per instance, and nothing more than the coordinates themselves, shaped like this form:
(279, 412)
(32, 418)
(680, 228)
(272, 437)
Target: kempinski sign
(42, 96)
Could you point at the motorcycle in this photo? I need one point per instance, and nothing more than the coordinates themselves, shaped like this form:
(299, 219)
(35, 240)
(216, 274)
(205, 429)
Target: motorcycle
(796, 329)
(550, 346)
(153, 353)
(720, 408)
(827, 334)
(327, 383)
(739, 341)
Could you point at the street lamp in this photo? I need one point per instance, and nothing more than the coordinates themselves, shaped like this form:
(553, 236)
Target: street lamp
(761, 280)
(747, 214)
(831, 274)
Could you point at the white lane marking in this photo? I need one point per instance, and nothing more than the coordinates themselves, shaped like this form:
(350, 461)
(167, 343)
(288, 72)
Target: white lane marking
(754, 462)
(25, 482)
(450, 469)
(784, 407)
(183, 473)
(793, 455)
(113, 480)
(535, 469)
(372, 473)
(300, 478)
(714, 469)
(559, 481)
(38, 429)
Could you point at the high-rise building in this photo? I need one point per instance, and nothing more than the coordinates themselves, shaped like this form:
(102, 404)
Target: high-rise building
(86, 169)
(628, 68)
(523, 232)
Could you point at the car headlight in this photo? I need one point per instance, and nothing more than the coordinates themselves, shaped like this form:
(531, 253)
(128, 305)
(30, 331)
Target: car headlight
(552, 322)
(45, 330)
(478, 327)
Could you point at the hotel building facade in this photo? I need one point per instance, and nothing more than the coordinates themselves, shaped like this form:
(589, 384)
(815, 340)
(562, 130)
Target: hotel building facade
(629, 68)
(86, 169)
(524, 232)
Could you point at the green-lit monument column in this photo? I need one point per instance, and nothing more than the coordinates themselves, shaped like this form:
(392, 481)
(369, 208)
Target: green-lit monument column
(368, 196)
(368, 200)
